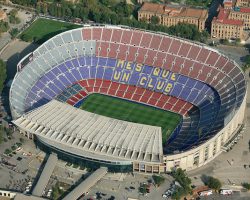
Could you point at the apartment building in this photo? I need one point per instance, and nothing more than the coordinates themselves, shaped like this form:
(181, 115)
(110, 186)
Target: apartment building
(171, 15)
(242, 3)
(224, 27)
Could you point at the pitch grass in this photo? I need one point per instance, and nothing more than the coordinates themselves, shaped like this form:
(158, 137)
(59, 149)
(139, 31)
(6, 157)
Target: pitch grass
(132, 112)
(43, 29)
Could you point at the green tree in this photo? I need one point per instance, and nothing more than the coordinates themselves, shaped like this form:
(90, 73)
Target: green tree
(224, 41)
(13, 12)
(143, 189)
(38, 9)
(52, 9)
(184, 181)
(4, 26)
(14, 32)
(3, 74)
(1, 134)
(247, 59)
(7, 151)
(155, 20)
(158, 179)
(246, 185)
(56, 191)
(44, 9)
(13, 17)
(213, 183)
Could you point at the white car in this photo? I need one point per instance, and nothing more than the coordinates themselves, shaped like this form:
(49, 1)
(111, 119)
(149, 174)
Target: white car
(205, 193)
(226, 191)
(49, 194)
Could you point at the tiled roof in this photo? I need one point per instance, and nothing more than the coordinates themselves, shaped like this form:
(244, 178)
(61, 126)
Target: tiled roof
(224, 19)
(245, 10)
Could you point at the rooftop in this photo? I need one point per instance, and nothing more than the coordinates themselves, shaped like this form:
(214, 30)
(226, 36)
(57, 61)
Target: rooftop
(223, 18)
(174, 11)
(244, 10)
(94, 136)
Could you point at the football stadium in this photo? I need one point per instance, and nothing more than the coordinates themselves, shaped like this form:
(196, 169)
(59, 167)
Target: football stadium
(129, 99)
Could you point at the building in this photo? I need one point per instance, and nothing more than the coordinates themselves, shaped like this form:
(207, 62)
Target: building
(242, 3)
(171, 15)
(241, 14)
(207, 89)
(225, 28)
(228, 4)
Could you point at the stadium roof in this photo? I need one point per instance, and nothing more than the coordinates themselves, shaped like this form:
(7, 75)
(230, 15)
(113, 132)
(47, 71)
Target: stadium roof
(94, 136)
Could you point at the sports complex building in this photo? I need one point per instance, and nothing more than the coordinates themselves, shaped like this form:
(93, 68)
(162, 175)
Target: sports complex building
(129, 99)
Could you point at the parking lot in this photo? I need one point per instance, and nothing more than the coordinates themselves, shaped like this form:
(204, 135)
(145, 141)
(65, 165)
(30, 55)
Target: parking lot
(127, 186)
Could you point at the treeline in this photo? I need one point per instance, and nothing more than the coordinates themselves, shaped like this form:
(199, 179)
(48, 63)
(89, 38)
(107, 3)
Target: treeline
(3, 74)
(110, 12)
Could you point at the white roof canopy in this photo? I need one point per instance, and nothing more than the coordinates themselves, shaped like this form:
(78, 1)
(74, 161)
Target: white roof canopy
(94, 136)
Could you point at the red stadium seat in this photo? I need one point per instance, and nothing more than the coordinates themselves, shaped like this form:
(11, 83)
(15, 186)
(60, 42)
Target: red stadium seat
(126, 37)
(86, 34)
(106, 34)
(156, 40)
(185, 47)
(165, 44)
(136, 38)
(96, 33)
(146, 40)
(175, 46)
(193, 52)
(116, 36)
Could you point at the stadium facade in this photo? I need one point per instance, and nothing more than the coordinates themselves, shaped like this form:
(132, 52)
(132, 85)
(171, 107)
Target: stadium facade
(202, 85)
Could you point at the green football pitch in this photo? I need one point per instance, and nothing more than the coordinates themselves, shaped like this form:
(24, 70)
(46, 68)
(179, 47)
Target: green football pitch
(132, 112)
(43, 29)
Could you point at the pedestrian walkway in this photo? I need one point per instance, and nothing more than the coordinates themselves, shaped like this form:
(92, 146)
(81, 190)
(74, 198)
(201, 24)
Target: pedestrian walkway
(45, 176)
(83, 187)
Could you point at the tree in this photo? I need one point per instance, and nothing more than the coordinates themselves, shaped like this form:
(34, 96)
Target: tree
(246, 185)
(224, 41)
(158, 179)
(14, 32)
(238, 41)
(1, 134)
(13, 12)
(247, 59)
(4, 26)
(155, 20)
(13, 17)
(143, 189)
(213, 183)
(3, 74)
(184, 183)
(56, 191)
(7, 151)
(38, 9)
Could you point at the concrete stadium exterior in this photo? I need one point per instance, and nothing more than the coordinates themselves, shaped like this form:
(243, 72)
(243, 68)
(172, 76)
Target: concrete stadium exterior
(191, 79)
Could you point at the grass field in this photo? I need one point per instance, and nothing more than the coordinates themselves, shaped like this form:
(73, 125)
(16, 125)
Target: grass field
(132, 112)
(43, 29)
